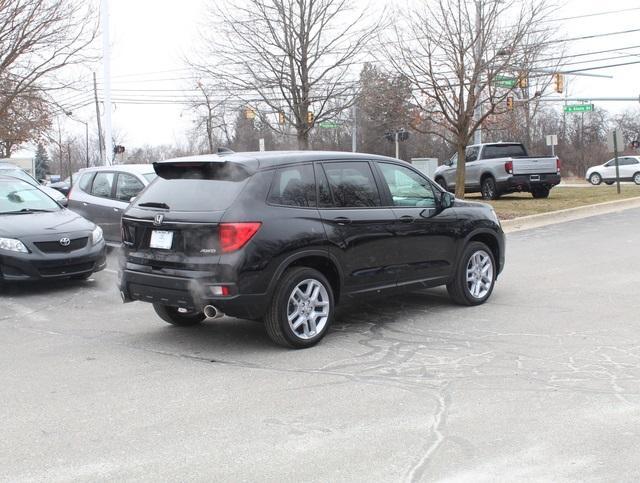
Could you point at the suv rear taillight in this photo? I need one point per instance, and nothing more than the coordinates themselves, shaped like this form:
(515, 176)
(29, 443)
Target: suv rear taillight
(233, 236)
(508, 167)
(558, 164)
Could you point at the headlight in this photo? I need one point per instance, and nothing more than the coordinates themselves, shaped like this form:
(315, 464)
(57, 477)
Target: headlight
(13, 245)
(96, 235)
(495, 217)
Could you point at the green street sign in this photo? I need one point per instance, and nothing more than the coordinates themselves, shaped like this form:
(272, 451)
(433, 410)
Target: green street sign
(578, 108)
(502, 81)
(329, 125)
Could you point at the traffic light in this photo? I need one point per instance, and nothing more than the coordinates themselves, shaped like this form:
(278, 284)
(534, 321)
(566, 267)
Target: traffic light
(523, 82)
(559, 79)
(403, 135)
(510, 103)
(118, 149)
(281, 118)
(310, 118)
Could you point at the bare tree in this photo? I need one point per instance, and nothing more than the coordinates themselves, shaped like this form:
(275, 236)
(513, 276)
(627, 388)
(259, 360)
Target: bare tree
(461, 57)
(38, 39)
(285, 56)
(211, 117)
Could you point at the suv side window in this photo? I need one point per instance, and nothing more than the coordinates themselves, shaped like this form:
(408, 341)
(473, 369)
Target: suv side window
(85, 182)
(406, 187)
(127, 187)
(471, 154)
(294, 186)
(352, 184)
(102, 185)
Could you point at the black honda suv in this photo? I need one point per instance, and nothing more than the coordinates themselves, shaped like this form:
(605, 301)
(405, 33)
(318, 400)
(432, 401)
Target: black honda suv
(284, 236)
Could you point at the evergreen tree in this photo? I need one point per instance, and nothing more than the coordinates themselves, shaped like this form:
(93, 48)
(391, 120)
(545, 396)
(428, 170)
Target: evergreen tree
(41, 162)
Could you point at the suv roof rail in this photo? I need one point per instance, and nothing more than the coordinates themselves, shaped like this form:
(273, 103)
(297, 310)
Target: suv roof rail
(225, 151)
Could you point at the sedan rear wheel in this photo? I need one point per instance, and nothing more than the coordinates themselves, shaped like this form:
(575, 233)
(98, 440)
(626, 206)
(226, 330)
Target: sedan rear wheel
(302, 308)
(475, 276)
(595, 179)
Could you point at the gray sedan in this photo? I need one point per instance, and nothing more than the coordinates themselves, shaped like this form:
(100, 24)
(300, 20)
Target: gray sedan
(101, 194)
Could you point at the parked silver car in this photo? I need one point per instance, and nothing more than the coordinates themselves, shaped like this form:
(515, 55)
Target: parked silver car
(101, 194)
(628, 167)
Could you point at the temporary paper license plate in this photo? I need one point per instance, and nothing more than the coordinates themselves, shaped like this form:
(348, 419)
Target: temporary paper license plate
(161, 239)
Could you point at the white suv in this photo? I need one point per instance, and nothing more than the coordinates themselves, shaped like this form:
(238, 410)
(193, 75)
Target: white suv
(629, 167)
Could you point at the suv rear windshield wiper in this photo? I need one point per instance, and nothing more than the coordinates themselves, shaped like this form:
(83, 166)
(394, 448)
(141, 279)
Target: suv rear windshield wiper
(154, 204)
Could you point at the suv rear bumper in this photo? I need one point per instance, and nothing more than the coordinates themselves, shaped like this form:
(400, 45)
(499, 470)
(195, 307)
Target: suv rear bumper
(189, 293)
(526, 182)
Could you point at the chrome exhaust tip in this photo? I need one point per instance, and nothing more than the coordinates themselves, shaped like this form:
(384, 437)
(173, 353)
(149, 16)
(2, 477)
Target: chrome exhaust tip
(211, 312)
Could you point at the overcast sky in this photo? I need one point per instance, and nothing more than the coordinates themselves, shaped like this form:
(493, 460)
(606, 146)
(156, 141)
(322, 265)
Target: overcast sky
(150, 38)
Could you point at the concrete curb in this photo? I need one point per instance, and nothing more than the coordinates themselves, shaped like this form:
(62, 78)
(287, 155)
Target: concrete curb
(569, 214)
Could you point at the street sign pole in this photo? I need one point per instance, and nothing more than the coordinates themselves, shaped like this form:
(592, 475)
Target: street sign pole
(615, 152)
(397, 146)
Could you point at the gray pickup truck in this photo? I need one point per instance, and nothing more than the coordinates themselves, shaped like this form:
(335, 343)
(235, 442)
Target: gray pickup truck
(495, 169)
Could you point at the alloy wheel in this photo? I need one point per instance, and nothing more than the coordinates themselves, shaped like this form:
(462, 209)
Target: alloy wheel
(636, 178)
(308, 309)
(479, 274)
(595, 179)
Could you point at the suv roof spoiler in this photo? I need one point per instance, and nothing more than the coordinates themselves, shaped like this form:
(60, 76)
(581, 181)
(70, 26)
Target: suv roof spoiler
(239, 167)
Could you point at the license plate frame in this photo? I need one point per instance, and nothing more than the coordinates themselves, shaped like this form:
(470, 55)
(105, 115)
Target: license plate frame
(161, 239)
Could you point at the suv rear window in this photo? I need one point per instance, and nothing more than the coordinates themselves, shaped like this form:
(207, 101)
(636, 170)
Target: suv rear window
(294, 186)
(195, 187)
(503, 151)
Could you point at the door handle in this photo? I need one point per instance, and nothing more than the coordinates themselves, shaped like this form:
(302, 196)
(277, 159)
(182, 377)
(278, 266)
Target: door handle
(117, 210)
(342, 220)
(85, 204)
(406, 219)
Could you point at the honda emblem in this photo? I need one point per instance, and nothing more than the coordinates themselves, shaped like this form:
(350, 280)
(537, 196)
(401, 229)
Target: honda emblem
(157, 221)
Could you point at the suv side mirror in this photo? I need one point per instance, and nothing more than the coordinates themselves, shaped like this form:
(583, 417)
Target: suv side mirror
(446, 200)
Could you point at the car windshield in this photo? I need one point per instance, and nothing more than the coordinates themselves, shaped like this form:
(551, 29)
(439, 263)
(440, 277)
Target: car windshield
(20, 174)
(20, 197)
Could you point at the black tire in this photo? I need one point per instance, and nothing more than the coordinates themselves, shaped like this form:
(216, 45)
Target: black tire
(459, 289)
(610, 182)
(489, 189)
(595, 179)
(276, 319)
(442, 183)
(636, 178)
(539, 193)
(173, 316)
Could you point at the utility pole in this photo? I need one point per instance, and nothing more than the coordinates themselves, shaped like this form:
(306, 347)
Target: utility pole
(60, 148)
(106, 67)
(477, 114)
(354, 130)
(100, 140)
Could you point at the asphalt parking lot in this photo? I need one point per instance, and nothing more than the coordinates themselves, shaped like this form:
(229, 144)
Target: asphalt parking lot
(541, 383)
